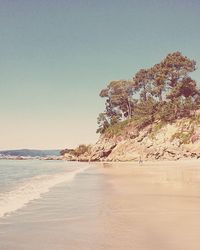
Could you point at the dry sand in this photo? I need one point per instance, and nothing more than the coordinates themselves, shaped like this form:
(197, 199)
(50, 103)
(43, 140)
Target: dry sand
(155, 205)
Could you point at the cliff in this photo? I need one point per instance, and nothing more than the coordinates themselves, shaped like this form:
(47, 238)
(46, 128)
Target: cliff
(170, 141)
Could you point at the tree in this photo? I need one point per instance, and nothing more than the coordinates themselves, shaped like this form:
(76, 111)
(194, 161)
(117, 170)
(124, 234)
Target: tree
(121, 93)
(145, 112)
(81, 149)
(119, 103)
(157, 78)
(163, 92)
(142, 83)
(179, 84)
(102, 122)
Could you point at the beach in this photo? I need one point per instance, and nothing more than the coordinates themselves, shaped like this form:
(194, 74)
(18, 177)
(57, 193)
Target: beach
(155, 205)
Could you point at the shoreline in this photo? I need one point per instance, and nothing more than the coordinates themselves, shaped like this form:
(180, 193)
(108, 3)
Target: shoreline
(120, 206)
(146, 162)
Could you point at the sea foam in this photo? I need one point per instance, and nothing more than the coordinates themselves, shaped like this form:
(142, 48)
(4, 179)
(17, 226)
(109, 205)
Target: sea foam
(32, 189)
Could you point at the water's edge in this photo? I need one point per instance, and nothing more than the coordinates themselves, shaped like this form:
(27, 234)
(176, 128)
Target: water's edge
(32, 189)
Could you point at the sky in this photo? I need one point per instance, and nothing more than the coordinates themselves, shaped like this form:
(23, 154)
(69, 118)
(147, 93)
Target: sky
(56, 56)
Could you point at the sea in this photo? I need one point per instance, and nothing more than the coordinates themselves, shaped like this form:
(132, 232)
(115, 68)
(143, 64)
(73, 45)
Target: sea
(50, 205)
(22, 181)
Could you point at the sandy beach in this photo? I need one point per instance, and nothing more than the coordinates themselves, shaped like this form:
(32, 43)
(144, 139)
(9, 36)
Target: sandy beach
(156, 205)
(113, 206)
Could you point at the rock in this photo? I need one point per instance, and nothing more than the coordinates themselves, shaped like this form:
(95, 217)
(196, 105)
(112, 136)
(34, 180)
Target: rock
(149, 143)
(195, 138)
(133, 134)
(143, 134)
(69, 157)
(102, 149)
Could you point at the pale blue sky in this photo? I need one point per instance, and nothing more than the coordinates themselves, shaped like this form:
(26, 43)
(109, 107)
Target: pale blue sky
(56, 56)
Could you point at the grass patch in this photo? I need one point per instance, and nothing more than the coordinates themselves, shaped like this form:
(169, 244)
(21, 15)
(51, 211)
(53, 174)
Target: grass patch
(156, 128)
(117, 129)
(184, 136)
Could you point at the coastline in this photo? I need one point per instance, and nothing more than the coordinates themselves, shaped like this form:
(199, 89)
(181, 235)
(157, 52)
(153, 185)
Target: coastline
(113, 206)
(183, 162)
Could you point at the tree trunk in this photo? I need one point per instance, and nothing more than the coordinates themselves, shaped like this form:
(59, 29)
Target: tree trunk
(129, 109)
(145, 93)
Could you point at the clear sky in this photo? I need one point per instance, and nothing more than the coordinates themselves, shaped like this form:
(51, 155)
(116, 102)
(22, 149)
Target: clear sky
(56, 56)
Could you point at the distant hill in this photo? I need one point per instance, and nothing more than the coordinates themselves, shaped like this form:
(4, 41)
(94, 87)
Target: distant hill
(31, 152)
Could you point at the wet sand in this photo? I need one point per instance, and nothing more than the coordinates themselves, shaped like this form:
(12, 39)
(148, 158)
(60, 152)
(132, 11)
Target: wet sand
(113, 206)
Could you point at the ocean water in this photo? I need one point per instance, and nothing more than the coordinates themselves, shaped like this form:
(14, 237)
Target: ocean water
(24, 181)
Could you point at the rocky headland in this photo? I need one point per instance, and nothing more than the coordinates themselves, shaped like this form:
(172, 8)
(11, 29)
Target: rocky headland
(178, 140)
(155, 115)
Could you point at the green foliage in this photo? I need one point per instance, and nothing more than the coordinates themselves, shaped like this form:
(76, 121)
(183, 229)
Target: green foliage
(184, 136)
(81, 149)
(102, 122)
(142, 121)
(66, 151)
(166, 111)
(164, 92)
(144, 112)
(78, 151)
(197, 119)
(156, 128)
(117, 129)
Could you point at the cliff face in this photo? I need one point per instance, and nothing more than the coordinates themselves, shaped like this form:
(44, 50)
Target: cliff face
(178, 140)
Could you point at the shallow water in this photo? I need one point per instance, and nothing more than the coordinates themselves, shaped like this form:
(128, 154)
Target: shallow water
(24, 181)
(64, 217)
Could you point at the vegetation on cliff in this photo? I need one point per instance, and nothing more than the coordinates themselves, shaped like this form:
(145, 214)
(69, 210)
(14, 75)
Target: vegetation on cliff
(82, 149)
(161, 94)
(156, 115)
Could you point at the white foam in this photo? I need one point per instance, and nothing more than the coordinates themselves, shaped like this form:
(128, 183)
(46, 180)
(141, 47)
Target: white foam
(33, 189)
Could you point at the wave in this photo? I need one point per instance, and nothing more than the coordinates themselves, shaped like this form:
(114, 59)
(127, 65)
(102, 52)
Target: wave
(32, 189)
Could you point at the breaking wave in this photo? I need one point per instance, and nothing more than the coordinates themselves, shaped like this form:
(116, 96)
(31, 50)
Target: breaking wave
(32, 189)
